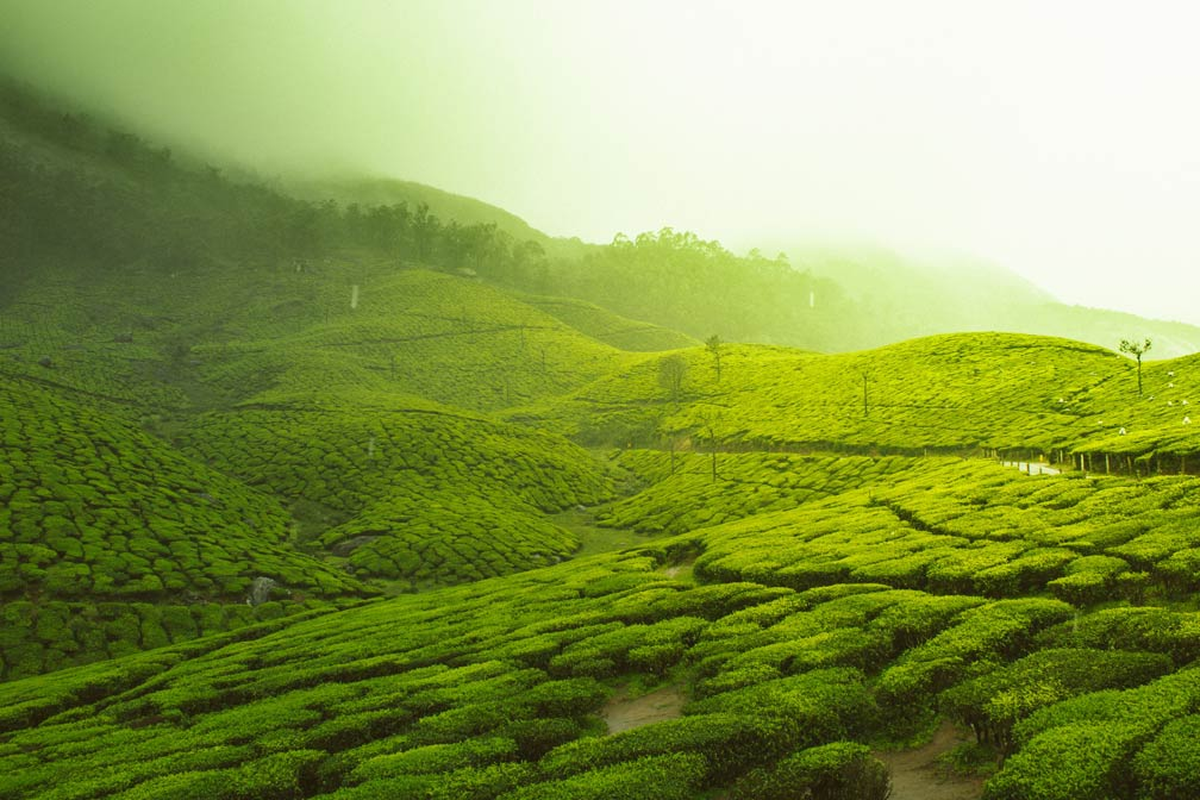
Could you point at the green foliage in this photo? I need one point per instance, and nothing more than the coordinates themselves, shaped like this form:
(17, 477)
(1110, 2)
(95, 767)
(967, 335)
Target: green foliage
(835, 771)
(1158, 630)
(997, 630)
(1073, 761)
(993, 703)
(678, 280)
(750, 483)
(46, 636)
(1168, 766)
(275, 388)
(730, 744)
(100, 509)
(426, 495)
(672, 777)
(1083, 746)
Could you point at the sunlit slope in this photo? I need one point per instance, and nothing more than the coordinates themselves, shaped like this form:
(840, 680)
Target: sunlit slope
(899, 297)
(683, 493)
(407, 490)
(93, 507)
(958, 392)
(972, 526)
(798, 636)
(1159, 427)
(612, 329)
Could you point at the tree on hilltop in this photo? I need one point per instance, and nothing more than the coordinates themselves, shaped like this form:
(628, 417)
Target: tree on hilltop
(1136, 350)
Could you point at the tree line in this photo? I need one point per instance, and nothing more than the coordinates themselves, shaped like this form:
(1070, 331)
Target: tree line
(77, 190)
(111, 199)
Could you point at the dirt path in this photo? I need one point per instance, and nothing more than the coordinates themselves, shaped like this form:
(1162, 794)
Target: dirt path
(1030, 468)
(682, 569)
(917, 776)
(622, 713)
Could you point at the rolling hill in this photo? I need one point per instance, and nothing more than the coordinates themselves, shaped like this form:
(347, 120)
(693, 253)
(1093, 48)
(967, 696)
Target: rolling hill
(294, 507)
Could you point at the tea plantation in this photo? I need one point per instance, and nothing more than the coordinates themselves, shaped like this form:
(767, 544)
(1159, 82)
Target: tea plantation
(303, 501)
(612, 329)
(961, 393)
(95, 508)
(851, 629)
(829, 559)
(419, 493)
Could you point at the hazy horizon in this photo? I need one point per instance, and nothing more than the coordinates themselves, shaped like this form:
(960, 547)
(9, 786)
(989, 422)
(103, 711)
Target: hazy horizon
(1056, 141)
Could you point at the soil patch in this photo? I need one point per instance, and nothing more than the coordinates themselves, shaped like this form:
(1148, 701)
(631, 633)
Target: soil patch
(916, 775)
(622, 713)
(682, 569)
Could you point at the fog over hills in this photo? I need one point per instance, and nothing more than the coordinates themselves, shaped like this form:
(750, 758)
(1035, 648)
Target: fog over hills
(322, 478)
(940, 127)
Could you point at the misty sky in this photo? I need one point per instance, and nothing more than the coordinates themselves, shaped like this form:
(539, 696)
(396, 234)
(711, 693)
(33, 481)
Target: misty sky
(1059, 139)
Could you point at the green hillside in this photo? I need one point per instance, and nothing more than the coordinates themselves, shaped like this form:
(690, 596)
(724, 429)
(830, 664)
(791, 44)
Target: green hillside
(610, 328)
(420, 493)
(861, 617)
(301, 499)
(340, 403)
(94, 508)
(112, 542)
(961, 393)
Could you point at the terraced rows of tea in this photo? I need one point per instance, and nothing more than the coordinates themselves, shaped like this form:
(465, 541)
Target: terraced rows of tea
(418, 494)
(812, 579)
(956, 526)
(682, 494)
(159, 341)
(95, 508)
(958, 393)
(800, 638)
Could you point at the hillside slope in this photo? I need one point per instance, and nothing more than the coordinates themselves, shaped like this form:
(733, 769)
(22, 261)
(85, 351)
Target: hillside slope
(969, 394)
(798, 635)
(817, 556)
(94, 508)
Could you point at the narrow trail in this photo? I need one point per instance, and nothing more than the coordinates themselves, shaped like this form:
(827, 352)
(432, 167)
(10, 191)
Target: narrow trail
(916, 775)
(1032, 468)
(621, 713)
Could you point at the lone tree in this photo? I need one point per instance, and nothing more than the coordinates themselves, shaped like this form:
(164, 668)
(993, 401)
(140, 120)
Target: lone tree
(1136, 350)
(671, 372)
(714, 345)
(707, 421)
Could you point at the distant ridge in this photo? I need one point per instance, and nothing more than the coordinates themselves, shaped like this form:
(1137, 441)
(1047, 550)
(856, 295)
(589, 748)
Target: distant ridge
(447, 205)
